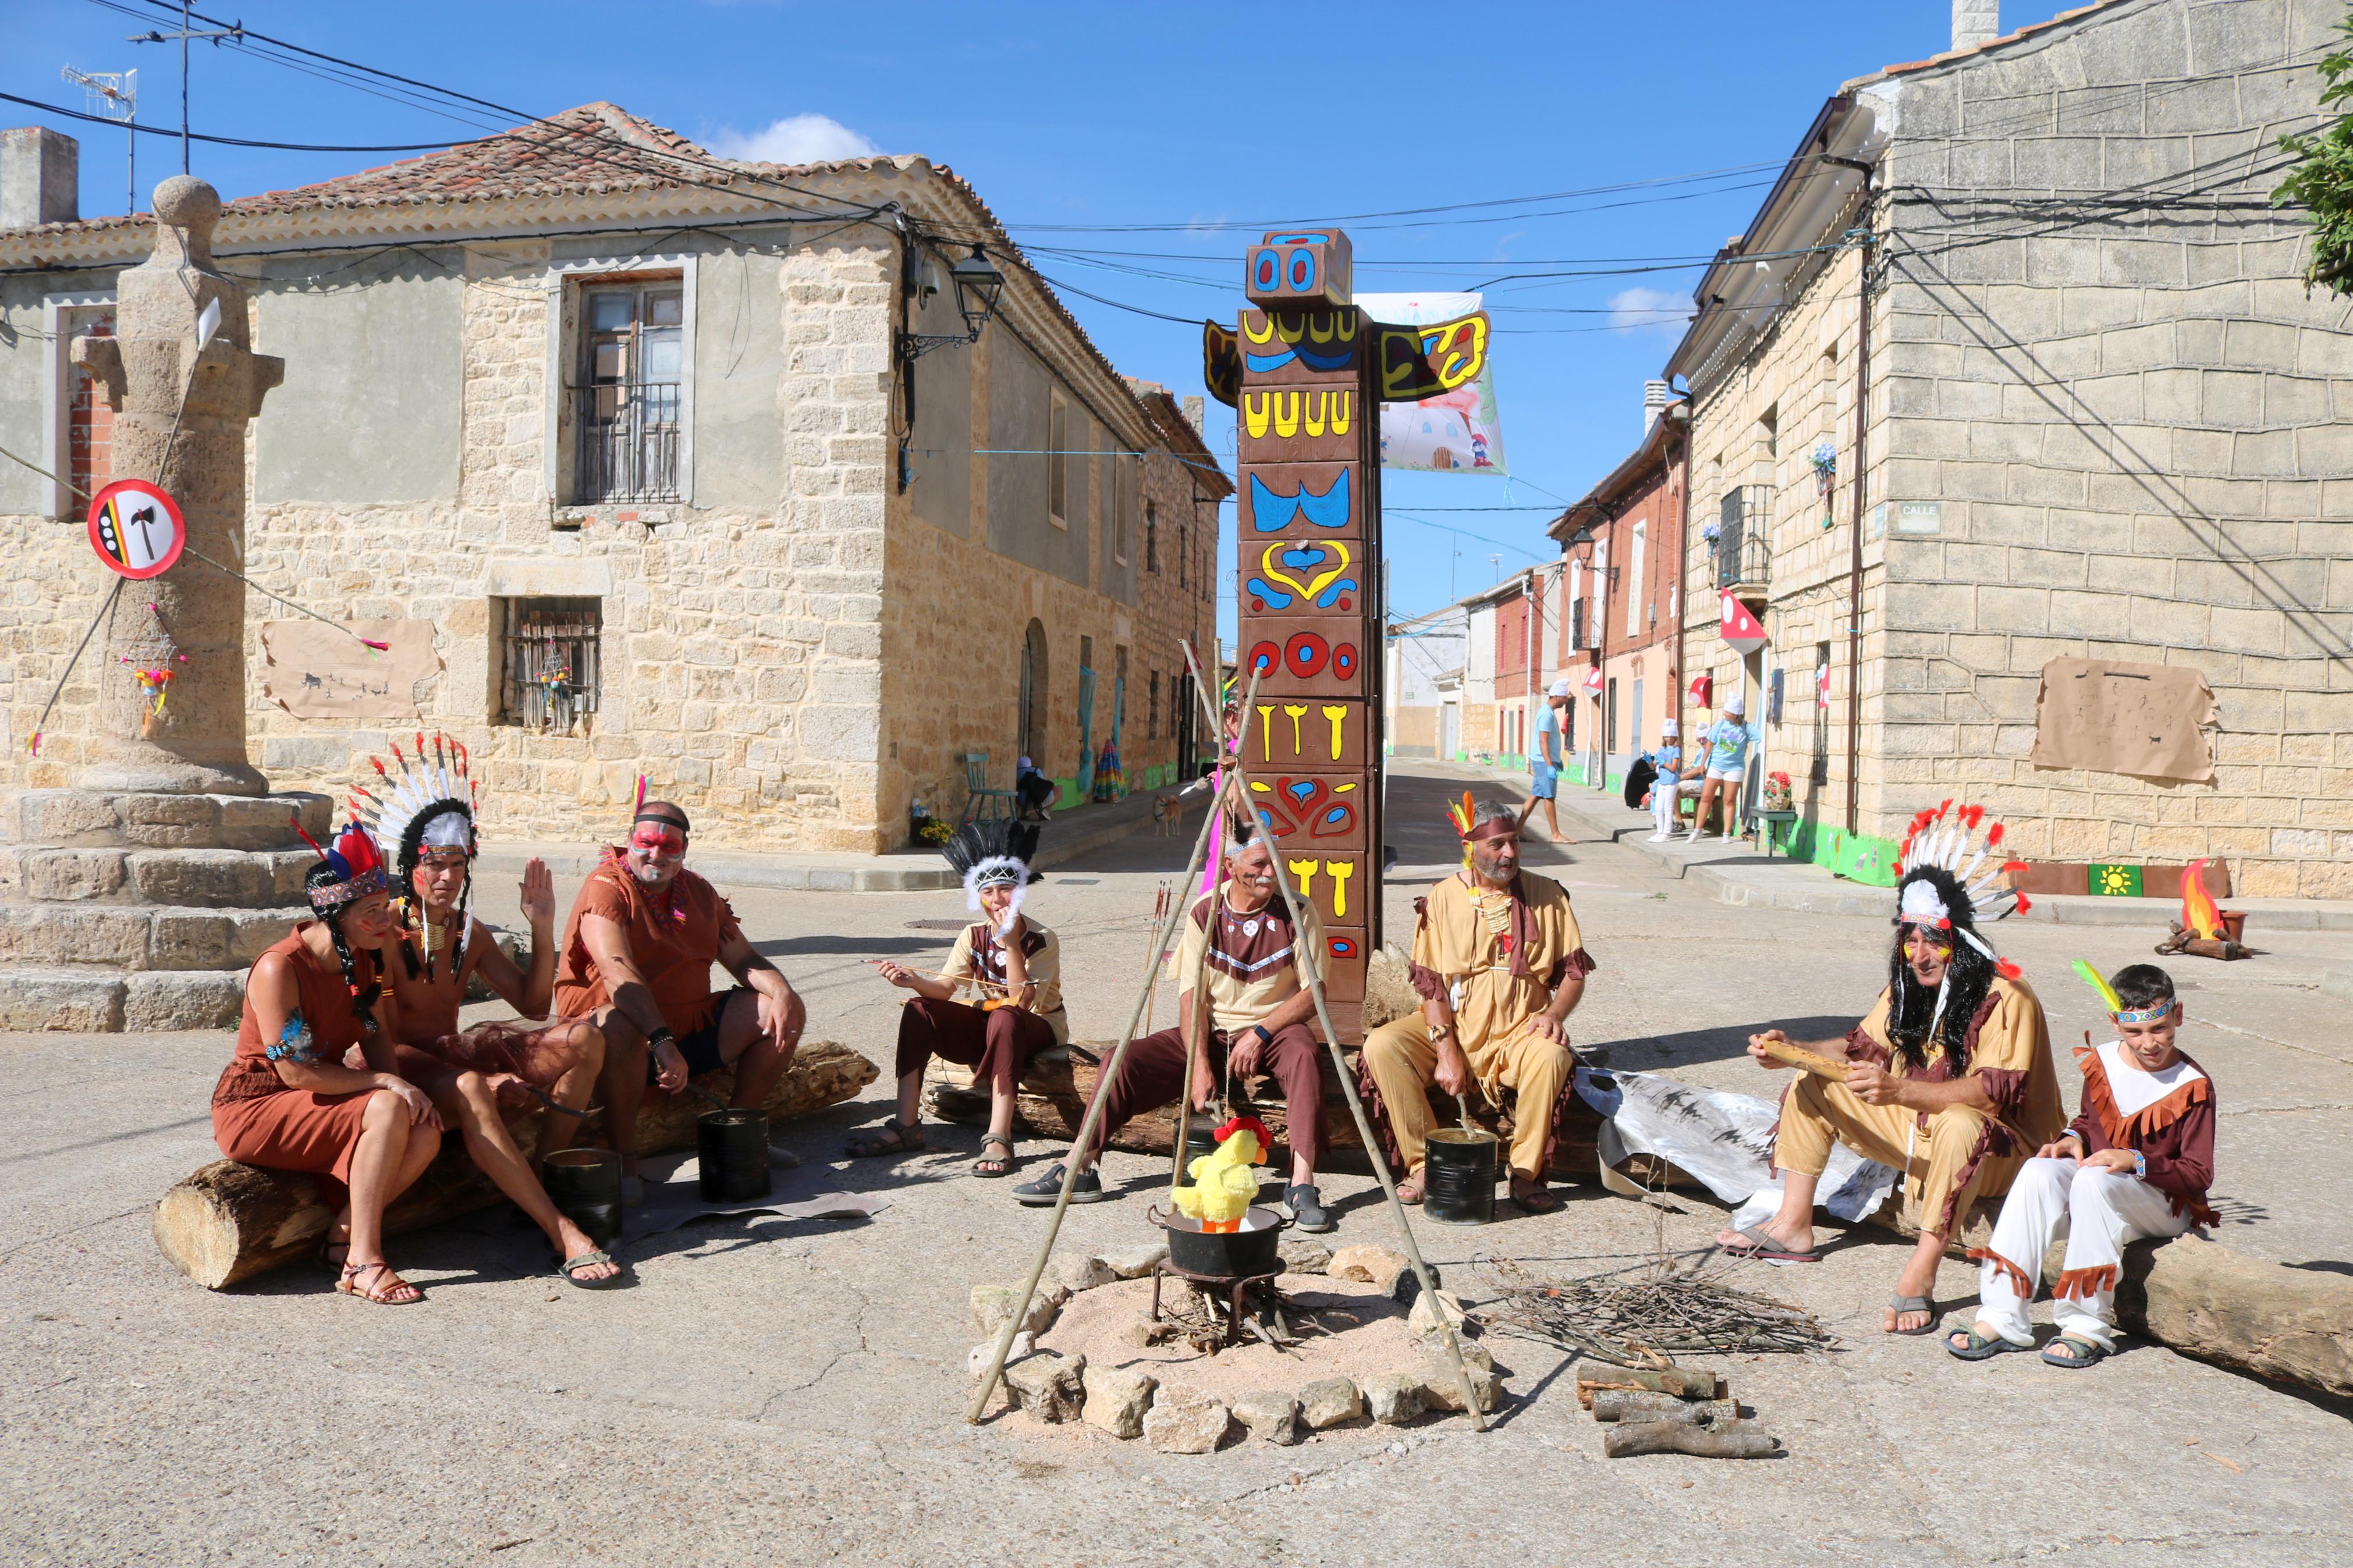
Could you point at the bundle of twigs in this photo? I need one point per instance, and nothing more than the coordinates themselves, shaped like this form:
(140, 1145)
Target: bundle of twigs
(1647, 1314)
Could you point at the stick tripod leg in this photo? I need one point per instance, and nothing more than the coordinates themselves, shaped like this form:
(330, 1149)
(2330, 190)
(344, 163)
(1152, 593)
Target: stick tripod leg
(1193, 1024)
(1314, 975)
(1087, 1126)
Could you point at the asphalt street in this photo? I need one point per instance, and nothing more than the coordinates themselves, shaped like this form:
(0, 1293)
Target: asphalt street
(770, 1389)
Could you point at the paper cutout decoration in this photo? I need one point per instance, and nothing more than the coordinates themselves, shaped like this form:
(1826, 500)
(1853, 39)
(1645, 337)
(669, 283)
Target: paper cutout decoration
(1319, 657)
(1312, 500)
(1284, 347)
(1335, 882)
(2112, 881)
(1450, 427)
(1304, 576)
(1739, 628)
(1319, 811)
(1221, 363)
(1301, 424)
(136, 528)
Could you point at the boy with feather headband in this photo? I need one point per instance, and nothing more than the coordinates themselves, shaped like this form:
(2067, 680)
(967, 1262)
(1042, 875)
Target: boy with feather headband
(1950, 1081)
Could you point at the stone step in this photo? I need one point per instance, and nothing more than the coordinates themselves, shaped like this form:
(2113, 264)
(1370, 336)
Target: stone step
(239, 879)
(86, 999)
(139, 936)
(90, 819)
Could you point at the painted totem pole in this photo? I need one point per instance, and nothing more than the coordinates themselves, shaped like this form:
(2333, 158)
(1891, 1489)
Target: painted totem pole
(1306, 373)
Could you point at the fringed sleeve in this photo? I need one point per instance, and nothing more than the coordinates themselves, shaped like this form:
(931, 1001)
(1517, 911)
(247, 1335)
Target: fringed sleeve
(1575, 966)
(1426, 982)
(2006, 1089)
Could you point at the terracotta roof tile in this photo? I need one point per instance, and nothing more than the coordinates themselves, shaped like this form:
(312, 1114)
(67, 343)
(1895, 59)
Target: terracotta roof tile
(1949, 56)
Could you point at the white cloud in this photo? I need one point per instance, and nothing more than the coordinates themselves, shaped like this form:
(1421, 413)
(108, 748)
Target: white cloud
(1636, 310)
(795, 138)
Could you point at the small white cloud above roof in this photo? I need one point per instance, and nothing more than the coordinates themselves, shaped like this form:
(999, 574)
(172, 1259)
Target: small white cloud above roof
(795, 138)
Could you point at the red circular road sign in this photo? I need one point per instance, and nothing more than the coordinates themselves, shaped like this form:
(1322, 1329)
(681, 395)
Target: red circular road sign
(136, 528)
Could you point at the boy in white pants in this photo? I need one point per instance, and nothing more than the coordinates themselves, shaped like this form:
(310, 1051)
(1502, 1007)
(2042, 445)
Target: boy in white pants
(2136, 1162)
(1667, 786)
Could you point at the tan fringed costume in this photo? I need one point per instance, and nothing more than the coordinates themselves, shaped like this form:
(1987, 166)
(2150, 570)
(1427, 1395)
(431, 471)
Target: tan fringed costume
(1957, 1155)
(1499, 956)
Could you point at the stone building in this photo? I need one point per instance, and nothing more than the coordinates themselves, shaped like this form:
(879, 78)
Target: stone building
(1422, 684)
(2102, 418)
(632, 437)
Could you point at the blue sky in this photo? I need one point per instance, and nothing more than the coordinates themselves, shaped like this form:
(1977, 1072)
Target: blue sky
(1069, 116)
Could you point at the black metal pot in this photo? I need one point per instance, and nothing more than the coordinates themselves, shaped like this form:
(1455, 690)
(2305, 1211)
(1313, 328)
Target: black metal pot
(1228, 1253)
(733, 1150)
(1459, 1177)
(585, 1185)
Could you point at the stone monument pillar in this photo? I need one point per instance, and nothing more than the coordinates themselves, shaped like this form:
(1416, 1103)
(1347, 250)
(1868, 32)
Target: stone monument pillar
(138, 898)
(181, 406)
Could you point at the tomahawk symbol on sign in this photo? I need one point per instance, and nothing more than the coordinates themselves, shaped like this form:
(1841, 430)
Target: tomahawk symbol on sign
(136, 528)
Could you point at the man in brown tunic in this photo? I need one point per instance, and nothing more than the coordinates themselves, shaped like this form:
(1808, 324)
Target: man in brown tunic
(636, 961)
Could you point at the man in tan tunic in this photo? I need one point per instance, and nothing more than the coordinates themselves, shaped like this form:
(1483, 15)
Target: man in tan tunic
(1499, 964)
(1951, 1084)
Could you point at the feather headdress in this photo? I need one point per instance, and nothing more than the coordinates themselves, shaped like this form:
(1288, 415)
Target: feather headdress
(428, 805)
(2115, 1003)
(994, 855)
(1947, 879)
(357, 867)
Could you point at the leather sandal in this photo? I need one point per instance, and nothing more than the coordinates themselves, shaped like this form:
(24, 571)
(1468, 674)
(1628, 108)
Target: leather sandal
(384, 1292)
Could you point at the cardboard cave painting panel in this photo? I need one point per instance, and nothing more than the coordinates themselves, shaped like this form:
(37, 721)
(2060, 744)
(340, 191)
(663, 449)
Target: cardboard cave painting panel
(1311, 813)
(1299, 500)
(1306, 734)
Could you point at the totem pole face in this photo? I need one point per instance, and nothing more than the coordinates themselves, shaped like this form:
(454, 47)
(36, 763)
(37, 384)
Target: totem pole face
(1291, 267)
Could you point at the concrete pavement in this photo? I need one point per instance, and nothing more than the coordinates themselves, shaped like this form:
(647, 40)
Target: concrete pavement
(771, 1390)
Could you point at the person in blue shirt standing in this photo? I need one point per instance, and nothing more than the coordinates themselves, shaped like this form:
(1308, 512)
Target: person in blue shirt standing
(1544, 759)
(1667, 781)
(1727, 743)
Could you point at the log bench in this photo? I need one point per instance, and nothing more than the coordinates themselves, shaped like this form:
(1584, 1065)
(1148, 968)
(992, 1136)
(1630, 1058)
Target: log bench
(229, 1222)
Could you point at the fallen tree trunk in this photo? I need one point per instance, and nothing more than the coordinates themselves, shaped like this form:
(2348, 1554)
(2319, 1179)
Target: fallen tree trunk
(229, 1222)
(2291, 1325)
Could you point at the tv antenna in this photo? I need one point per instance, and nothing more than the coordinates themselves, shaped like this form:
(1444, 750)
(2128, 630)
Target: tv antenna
(115, 95)
(182, 36)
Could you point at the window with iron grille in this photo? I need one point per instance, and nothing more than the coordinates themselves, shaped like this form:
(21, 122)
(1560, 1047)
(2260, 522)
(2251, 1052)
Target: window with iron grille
(626, 401)
(1743, 544)
(551, 664)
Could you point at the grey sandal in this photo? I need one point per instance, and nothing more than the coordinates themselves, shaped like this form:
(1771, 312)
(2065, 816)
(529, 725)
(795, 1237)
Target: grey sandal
(588, 1260)
(1004, 1164)
(1979, 1346)
(2084, 1353)
(1770, 1248)
(893, 1139)
(1900, 1304)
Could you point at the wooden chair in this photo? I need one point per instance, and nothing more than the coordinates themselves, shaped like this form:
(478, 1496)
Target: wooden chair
(982, 804)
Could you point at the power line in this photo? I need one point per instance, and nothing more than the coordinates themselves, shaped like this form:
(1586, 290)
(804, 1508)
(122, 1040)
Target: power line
(225, 141)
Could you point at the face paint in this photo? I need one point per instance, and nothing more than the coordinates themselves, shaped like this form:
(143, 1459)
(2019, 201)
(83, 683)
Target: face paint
(655, 838)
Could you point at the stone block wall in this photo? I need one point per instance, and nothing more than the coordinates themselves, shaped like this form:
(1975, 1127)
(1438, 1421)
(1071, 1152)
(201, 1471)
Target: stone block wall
(2135, 422)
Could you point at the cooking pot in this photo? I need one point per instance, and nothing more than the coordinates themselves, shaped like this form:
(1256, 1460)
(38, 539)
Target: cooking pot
(1225, 1254)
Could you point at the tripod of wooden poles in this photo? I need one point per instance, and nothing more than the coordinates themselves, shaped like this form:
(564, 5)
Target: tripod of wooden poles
(1237, 784)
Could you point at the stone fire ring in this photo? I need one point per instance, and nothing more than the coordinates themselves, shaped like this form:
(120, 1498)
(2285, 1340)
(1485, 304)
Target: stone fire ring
(1409, 1374)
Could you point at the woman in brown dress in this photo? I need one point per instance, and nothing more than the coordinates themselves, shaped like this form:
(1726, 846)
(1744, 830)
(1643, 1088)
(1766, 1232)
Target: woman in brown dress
(288, 1103)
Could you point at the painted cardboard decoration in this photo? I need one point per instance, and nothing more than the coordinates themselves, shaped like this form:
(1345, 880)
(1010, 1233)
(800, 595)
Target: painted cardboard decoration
(1434, 351)
(1303, 577)
(1289, 347)
(1304, 362)
(1221, 363)
(1311, 811)
(1423, 361)
(317, 669)
(1739, 626)
(1310, 500)
(1299, 267)
(1302, 733)
(1335, 882)
(1301, 424)
(1314, 658)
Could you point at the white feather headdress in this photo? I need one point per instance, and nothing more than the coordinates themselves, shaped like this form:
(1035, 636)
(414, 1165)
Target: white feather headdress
(428, 805)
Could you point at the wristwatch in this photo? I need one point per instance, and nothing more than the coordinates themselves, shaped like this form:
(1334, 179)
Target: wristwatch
(1440, 1031)
(1264, 1039)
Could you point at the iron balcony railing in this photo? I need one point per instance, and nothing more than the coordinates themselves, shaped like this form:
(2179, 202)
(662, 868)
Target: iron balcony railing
(1584, 627)
(1743, 541)
(626, 437)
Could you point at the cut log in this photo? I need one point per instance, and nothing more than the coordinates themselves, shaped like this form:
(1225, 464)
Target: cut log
(1636, 1405)
(1676, 1381)
(1738, 1442)
(229, 1222)
(2291, 1325)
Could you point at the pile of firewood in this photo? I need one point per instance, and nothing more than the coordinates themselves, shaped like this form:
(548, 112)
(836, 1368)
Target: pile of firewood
(1671, 1411)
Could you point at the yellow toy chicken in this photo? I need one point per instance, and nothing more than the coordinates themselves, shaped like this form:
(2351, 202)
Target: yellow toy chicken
(1223, 1184)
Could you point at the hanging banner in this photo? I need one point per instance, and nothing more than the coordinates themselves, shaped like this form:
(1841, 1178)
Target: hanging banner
(1741, 628)
(1450, 432)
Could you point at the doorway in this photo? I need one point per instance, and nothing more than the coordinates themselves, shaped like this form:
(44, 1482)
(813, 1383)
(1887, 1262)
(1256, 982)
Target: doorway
(1032, 737)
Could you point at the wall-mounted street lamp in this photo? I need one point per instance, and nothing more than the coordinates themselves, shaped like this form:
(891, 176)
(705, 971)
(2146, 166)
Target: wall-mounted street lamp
(979, 285)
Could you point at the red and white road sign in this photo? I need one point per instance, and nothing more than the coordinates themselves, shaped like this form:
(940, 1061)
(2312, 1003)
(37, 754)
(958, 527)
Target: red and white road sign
(136, 528)
(1741, 629)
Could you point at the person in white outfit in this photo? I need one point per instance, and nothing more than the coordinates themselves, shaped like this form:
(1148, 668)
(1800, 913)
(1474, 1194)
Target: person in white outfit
(1667, 784)
(2136, 1162)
